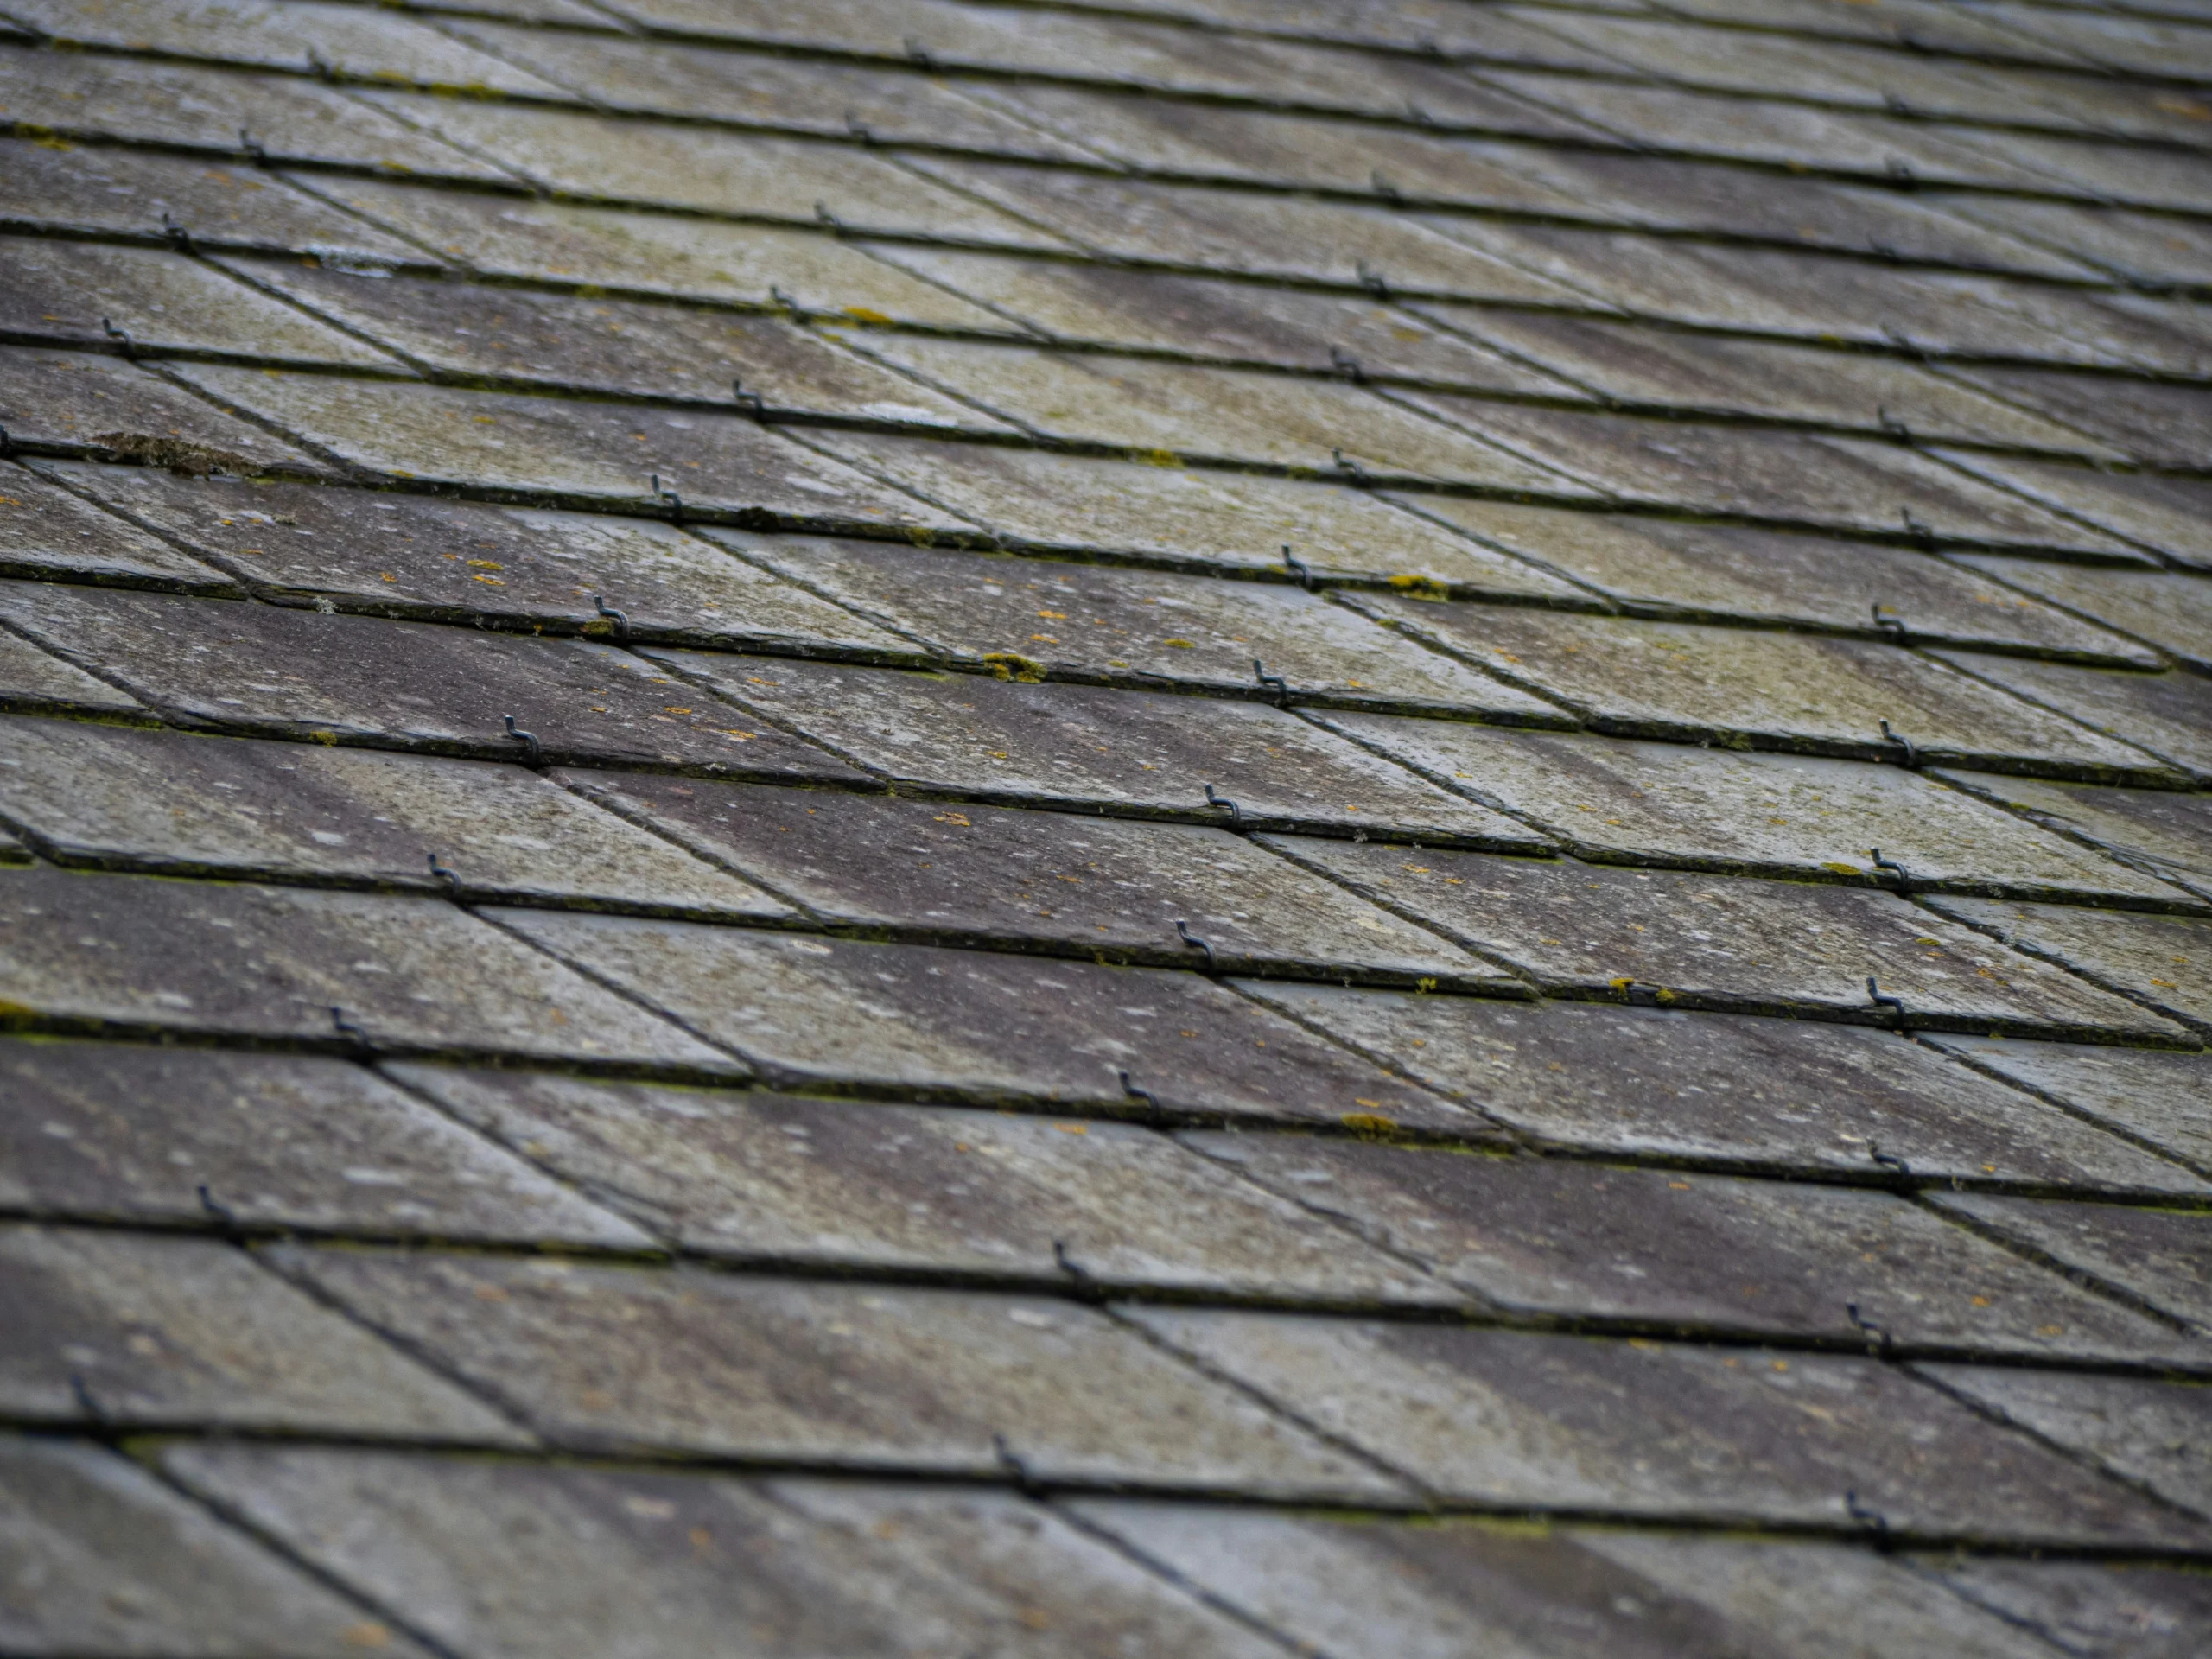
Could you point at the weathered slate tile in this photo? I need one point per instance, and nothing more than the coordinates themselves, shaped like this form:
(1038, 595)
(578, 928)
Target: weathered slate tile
(2162, 960)
(2145, 1094)
(1187, 408)
(1780, 1095)
(77, 403)
(1193, 228)
(170, 804)
(2173, 612)
(2099, 1609)
(1443, 1589)
(300, 674)
(33, 681)
(1731, 942)
(198, 106)
(565, 447)
(1736, 812)
(104, 1558)
(985, 1027)
(1110, 887)
(2152, 1433)
(923, 1381)
(654, 253)
(1657, 1429)
(1565, 1239)
(2164, 832)
(1099, 747)
(1210, 317)
(128, 952)
(2163, 1255)
(1813, 693)
(2165, 514)
(108, 191)
(1192, 520)
(111, 1327)
(1664, 567)
(111, 1131)
(1116, 624)
(2150, 421)
(353, 44)
(1785, 477)
(639, 1560)
(2168, 715)
(714, 170)
(71, 292)
(606, 343)
(48, 532)
(776, 1178)
(466, 561)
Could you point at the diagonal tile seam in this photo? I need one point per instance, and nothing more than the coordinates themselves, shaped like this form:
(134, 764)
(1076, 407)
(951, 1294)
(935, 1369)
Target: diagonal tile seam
(2058, 601)
(2055, 823)
(2197, 1024)
(2166, 760)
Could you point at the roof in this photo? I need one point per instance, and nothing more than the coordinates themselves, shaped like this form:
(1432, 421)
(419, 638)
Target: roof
(1201, 826)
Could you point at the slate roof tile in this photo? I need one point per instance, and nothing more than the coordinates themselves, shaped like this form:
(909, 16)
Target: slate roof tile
(2165, 833)
(2157, 1255)
(45, 531)
(2145, 1612)
(2147, 1096)
(2162, 961)
(2161, 714)
(77, 403)
(2153, 422)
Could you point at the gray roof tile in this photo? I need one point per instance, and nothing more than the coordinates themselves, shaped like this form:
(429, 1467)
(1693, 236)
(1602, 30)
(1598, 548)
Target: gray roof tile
(2093, 1609)
(75, 402)
(45, 531)
(2143, 1094)
(2173, 612)
(2164, 960)
(2163, 713)
(2160, 831)
(2164, 1257)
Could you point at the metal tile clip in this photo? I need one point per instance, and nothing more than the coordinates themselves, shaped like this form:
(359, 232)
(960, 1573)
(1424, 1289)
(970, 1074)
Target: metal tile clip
(120, 336)
(674, 501)
(536, 752)
(1904, 881)
(619, 618)
(1911, 754)
(1346, 365)
(1875, 996)
(748, 403)
(1351, 468)
(1145, 1095)
(1299, 567)
(1183, 932)
(1371, 280)
(1235, 813)
(1281, 686)
(252, 147)
(1919, 529)
(1890, 622)
(179, 237)
(452, 880)
(346, 1027)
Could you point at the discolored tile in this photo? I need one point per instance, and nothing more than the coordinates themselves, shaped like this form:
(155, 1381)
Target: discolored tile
(2173, 612)
(2146, 1094)
(2163, 831)
(464, 561)
(1713, 1254)
(134, 1330)
(76, 403)
(2151, 1433)
(105, 1557)
(925, 1382)
(201, 1137)
(1653, 1430)
(1812, 693)
(1190, 518)
(48, 532)
(2167, 715)
(2164, 1257)
(166, 802)
(1098, 747)
(343, 970)
(2164, 514)
(1738, 812)
(300, 674)
(1106, 623)
(1778, 1095)
(2096, 1609)
(1732, 942)
(1081, 885)
(33, 681)
(984, 1027)
(2162, 960)
(2151, 421)
(688, 1562)
(1664, 567)
(770, 1179)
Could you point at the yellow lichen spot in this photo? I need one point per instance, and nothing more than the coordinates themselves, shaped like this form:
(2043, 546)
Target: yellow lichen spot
(1422, 987)
(1427, 587)
(1159, 458)
(1012, 665)
(1841, 869)
(1181, 645)
(1368, 1123)
(367, 1634)
(486, 564)
(861, 313)
(1072, 1128)
(960, 818)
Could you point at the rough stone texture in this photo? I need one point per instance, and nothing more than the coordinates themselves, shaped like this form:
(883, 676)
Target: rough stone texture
(31, 679)
(1533, 1590)
(2165, 961)
(2165, 833)
(150, 955)
(1816, 694)
(2152, 1097)
(117, 798)
(76, 403)
(1769, 1094)
(1662, 1249)
(645, 1561)
(1775, 814)
(928, 1381)
(2164, 515)
(104, 1558)
(2151, 1433)
(2163, 714)
(1190, 518)
(110, 1132)
(2173, 612)
(48, 532)
(113, 1328)
(1056, 881)
(2154, 422)
(420, 556)
(2097, 1610)
(1664, 567)
(332, 679)
(2164, 1257)
(1089, 746)
(1097, 622)
(1719, 941)
(776, 1178)
(876, 1018)
(1547, 1422)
